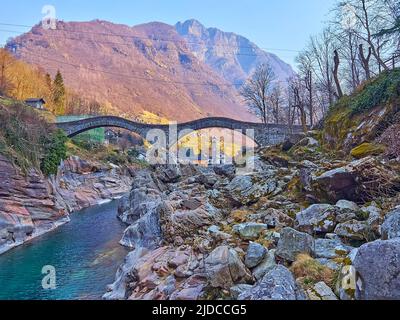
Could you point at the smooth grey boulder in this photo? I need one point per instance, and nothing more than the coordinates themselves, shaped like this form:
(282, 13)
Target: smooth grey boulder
(391, 226)
(378, 270)
(318, 218)
(255, 254)
(277, 284)
(292, 243)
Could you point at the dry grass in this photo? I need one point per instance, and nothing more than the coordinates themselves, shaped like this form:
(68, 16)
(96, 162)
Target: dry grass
(309, 271)
(240, 216)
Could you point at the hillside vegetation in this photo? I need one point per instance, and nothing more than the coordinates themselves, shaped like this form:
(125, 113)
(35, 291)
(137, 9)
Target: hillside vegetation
(28, 139)
(366, 120)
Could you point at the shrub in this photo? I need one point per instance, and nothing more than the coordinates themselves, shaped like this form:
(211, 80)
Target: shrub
(22, 131)
(117, 158)
(133, 153)
(310, 271)
(55, 151)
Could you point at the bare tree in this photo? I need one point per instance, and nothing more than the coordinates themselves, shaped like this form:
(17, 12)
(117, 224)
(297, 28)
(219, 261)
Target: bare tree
(370, 18)
(306, 71)
(276, 100)
(296, 90)
(256, 90)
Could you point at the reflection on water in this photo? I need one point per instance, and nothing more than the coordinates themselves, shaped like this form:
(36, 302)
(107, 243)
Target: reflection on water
(84, 252)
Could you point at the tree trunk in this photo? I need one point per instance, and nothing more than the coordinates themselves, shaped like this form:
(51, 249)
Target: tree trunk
(335, 74)
(309, 87)
(365, 61)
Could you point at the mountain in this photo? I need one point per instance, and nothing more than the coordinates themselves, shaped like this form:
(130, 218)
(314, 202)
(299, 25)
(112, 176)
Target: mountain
(153, 67)
(232, 56)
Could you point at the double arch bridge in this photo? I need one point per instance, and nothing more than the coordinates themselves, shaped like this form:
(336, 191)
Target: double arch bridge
(262, 134)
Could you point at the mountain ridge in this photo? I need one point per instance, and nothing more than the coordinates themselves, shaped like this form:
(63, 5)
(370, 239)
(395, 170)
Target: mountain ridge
(147, 67)
(231, 55)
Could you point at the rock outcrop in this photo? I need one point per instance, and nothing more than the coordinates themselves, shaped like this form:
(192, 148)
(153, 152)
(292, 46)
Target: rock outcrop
(31, 204)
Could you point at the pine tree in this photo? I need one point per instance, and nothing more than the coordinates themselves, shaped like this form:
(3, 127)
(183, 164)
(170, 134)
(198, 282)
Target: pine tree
(59, 98)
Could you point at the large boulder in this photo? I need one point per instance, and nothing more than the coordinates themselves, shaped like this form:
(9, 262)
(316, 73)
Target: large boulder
(391, 226)
(224, 268)
(359, 181)
(378, 270)
(318, 218)
(277, 284)
(292, 243)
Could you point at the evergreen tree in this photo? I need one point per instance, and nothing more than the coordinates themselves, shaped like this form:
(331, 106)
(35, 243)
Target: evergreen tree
(59, 96)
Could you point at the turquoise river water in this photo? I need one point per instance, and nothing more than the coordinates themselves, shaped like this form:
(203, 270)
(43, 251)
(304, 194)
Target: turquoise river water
(85, 254)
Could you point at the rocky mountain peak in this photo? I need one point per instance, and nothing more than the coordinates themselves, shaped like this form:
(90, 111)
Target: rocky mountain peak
(231, 55)
(192, 27)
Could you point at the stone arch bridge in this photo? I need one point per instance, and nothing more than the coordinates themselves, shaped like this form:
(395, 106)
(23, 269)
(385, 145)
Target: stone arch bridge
(262, 134)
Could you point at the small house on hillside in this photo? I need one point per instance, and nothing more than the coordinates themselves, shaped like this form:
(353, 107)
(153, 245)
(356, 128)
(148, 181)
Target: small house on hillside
(37, 103)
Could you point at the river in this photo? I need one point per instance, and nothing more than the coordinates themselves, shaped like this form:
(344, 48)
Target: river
(85, 254)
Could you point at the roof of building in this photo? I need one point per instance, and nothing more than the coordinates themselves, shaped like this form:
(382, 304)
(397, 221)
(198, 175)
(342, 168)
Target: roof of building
(35, 100)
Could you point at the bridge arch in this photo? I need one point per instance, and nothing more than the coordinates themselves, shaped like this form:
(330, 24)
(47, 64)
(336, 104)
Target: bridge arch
(262, 134)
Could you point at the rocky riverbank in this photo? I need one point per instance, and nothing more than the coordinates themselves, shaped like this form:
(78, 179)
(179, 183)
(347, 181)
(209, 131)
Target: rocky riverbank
(31, 204)
(300, 226)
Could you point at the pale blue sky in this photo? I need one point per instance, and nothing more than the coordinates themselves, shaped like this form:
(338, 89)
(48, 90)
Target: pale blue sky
(275, 24)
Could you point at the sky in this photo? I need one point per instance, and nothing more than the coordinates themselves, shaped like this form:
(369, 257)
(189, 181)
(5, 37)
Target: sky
(271, 24)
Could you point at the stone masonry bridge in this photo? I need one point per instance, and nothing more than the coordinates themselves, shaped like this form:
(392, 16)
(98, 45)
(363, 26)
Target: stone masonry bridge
(262, 134)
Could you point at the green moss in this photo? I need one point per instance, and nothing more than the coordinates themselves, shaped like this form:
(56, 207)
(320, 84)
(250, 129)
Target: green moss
(341, 125)
(377, 92)
(367, 149)
(338, 123)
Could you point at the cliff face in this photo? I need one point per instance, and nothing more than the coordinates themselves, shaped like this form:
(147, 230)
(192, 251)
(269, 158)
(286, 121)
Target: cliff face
(26, 205)
(31, 205)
